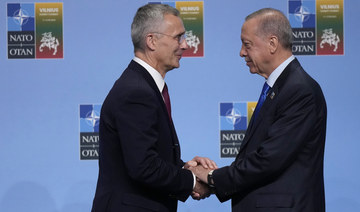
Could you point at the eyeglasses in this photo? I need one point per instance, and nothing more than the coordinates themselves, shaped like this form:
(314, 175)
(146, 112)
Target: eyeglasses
(179, 38)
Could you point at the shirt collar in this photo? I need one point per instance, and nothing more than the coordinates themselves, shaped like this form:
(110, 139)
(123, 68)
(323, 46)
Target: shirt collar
(159, 80)
(276, 73)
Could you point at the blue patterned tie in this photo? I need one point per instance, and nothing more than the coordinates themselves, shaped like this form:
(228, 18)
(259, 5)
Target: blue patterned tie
(262, 98)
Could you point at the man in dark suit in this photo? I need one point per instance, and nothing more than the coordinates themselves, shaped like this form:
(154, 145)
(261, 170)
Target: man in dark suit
(140, 168)
(280, 162)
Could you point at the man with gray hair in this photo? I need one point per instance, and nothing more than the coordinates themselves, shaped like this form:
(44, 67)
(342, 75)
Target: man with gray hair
(140, 168)
(279, 166)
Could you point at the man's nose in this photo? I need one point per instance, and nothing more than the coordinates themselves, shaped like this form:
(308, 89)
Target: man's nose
(242, 52)
(184, 45)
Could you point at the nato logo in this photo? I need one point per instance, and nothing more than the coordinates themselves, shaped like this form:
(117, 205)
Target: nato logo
(89, 117)
(21, 30)
(302, 18)
(89, 131)
(233, 116)
(21, 17)
(302, 13)
(233, 125)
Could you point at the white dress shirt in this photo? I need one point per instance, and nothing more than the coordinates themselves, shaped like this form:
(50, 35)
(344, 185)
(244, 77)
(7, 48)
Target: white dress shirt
(276, 73)
(159, 80)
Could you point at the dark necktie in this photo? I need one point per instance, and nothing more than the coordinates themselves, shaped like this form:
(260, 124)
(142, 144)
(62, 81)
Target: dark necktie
(262, 98)
(166, 96)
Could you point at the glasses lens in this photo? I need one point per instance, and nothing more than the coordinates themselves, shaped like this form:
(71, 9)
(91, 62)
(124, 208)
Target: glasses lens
(182, 38)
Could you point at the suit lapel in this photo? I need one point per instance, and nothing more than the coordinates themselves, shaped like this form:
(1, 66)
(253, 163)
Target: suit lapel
(272, 95)
(255, 123)
(137, 67)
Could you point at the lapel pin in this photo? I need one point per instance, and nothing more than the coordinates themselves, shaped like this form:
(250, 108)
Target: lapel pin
(272, 95)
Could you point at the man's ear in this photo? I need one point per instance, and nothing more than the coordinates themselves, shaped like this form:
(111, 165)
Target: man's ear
(150, 41)
(273, 44)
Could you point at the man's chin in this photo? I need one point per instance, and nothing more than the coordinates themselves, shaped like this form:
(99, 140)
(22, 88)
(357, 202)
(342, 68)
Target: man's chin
(173, 67)
(176, 65)
(253, 71)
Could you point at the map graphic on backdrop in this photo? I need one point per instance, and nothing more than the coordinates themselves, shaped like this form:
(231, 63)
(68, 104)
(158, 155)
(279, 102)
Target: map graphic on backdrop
(234, 120)
(192, 15)
(318, 27)
(89, 131)
(35, 30)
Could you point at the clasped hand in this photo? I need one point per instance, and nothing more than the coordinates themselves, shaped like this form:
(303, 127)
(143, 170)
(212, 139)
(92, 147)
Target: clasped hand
(201, 166)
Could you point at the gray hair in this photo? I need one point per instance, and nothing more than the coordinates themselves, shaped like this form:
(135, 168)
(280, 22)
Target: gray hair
(273, 22)
(149, 18)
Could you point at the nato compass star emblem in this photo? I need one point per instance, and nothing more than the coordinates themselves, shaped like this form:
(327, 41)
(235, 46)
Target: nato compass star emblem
(92, 118)
(89, 117)
(21, 17)
(233, 116)
(302, 14)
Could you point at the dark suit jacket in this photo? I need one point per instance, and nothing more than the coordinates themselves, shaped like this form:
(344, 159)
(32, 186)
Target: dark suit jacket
(280, 163)
(139, 155)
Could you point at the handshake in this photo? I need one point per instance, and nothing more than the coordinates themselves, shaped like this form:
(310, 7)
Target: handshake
(200, 167)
